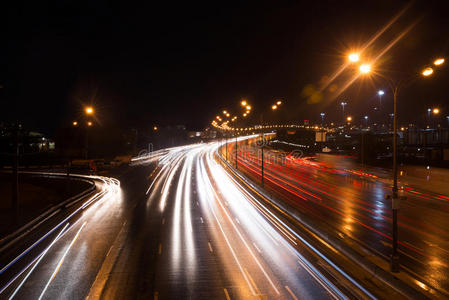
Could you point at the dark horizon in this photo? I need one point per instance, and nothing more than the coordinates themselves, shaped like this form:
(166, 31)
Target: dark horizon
(183, 64)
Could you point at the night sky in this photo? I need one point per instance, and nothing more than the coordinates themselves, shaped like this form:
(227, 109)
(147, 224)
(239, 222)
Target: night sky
(182, 63)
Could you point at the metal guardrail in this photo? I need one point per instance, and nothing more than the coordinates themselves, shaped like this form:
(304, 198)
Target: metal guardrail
(13, 237)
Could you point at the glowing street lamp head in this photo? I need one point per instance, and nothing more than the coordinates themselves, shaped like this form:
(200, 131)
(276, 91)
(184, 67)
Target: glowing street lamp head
(343, 103)
(244, 114)
(380, 92)
(427, 71)
(366, 117)
(274, 107)
(248, 107)
(365, 68)
(349, 119)
(155, 127)
(436, 111)
(243, 103)
(225, 112)
(89, 110)
(438, 61)
(354, 57)
(279, 102)
(89, 123)
(322, 114)
(75, 123)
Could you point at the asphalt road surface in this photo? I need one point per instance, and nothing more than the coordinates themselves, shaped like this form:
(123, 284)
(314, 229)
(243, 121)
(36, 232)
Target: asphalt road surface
(177, 226)
(350, 204)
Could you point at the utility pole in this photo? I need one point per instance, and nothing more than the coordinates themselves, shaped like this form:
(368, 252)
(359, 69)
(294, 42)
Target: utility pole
(69, 164)
(226, 138)
(15, 174)
(261, 146)
(236, 152)
(395, 199)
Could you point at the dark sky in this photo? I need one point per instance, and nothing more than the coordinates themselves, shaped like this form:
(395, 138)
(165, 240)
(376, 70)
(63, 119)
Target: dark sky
(182, 63)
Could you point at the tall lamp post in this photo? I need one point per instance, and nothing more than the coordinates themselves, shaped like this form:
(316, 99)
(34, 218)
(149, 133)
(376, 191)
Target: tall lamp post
(89, 111)
(343, 104)
(395, 87)
(274, 107)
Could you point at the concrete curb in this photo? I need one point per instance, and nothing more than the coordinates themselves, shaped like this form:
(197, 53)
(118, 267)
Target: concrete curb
(15, 236)
(374, 270)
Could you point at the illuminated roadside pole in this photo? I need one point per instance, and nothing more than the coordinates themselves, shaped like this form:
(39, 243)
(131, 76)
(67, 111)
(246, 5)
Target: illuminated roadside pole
(274, 107)
(395, 87)
(15, 175)
(226, 139)
(380, 93)
(394, 263)
(322, 118)
(236, 153)
(343, 104)
(435, 112)
(89, 111)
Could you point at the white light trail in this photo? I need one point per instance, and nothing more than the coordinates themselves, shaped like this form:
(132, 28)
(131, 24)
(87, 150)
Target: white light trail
(60, 262)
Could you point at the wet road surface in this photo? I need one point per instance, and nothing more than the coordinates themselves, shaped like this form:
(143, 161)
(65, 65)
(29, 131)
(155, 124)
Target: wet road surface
(176, 227)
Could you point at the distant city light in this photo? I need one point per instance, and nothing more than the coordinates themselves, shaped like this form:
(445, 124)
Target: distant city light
(436, 111)
(349, 119)
(75, 123)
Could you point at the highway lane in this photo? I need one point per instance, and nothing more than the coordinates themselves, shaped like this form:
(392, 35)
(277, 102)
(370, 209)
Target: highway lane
(179, 227)
(350, 204)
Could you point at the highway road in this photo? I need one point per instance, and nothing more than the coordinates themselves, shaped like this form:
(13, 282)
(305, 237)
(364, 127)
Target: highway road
(176, 226)
(340, 199)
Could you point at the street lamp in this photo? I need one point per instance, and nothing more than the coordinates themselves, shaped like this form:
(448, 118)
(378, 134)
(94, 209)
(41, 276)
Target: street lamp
(427, 71)
(436, 111)
(89, 110)
(75, 123)
(438, 61)
(349, 119)
(396, 86)
(262, 140)
(343, 104)
(365, 68)
(322, 118)
(380, 93)
(354, 57)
